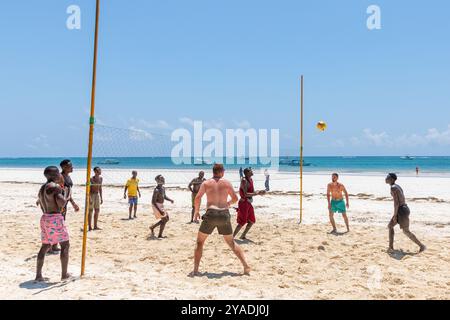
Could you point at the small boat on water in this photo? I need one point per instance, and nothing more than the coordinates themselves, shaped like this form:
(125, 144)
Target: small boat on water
(293, 163)
(407, 158)
(109, 162)
(296, 163)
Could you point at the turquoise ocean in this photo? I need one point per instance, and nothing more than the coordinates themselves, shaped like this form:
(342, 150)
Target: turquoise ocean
(355, 165)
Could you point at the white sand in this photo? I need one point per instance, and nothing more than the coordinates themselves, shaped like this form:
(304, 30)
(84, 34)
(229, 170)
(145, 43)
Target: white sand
(290, 261)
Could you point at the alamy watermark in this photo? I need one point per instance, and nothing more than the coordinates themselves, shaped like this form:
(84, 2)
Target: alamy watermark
(374, 20)
(229, 146)
(73, 21)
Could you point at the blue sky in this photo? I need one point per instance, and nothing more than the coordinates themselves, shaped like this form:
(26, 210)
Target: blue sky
(231, 64)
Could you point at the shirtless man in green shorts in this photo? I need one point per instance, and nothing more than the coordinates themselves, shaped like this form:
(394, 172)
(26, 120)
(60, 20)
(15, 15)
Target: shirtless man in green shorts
(336, 201)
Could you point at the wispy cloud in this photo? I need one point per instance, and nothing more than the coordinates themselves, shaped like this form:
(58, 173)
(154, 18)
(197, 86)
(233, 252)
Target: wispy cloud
(158, 124)
(100, 122)
(139, 134)
(383, 139)
(39, 142)
(243, 124)
(186, 120)
(378, 139)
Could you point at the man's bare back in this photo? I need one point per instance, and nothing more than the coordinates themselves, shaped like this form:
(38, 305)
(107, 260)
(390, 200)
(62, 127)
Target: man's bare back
(217, 192)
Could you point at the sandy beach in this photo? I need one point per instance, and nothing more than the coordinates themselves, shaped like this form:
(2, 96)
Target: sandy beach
(289, 261)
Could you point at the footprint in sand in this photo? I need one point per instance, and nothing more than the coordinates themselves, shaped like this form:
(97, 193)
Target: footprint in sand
(397, 281)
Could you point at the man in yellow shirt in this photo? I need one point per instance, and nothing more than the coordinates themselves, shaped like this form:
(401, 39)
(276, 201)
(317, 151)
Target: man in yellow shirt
(132, 186)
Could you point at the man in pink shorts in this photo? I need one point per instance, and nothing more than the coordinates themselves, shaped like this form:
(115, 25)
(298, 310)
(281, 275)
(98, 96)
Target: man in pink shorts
(52, 199)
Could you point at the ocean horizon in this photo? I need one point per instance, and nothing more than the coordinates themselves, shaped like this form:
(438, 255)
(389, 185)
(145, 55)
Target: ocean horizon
(312, 164)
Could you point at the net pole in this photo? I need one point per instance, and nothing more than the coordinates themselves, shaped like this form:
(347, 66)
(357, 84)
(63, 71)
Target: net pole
(301, 149)
(91, 138)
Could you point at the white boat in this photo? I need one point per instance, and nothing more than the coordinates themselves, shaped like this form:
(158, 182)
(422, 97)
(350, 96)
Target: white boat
(109, 162)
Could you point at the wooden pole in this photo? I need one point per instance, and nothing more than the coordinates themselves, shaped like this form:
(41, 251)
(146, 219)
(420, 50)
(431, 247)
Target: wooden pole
(301, 149)
(91, 138)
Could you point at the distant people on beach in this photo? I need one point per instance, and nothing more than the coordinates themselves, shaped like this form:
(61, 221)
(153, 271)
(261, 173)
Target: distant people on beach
(194, 186)
(132, 186)
(267, 181)
(95, 198)
(52, 199)
(246, 212)
(241, 173)
(217, 215)
(401, 214)
(417, 171)
(336, 201)
(159, 195)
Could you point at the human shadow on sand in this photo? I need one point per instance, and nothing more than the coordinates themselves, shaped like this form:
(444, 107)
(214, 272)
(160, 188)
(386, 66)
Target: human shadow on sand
(338, 234)
(155, 238)
(34, 285)
(244, 241)
(44, 285)
(400, 254)
(211, 275)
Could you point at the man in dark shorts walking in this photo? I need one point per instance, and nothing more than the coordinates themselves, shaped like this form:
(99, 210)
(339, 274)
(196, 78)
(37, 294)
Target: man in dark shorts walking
(194, 186)
(217, 215)
(401, 214)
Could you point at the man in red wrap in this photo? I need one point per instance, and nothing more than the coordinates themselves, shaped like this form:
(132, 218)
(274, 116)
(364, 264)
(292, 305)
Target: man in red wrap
(246, 212)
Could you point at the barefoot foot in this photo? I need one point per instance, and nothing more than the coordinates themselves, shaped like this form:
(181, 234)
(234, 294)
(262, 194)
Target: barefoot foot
(66, 277)
(41, 279)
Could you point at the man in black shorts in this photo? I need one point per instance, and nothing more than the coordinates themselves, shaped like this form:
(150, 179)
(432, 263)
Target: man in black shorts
(217, 216)
(401, 214)
(66, 170)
